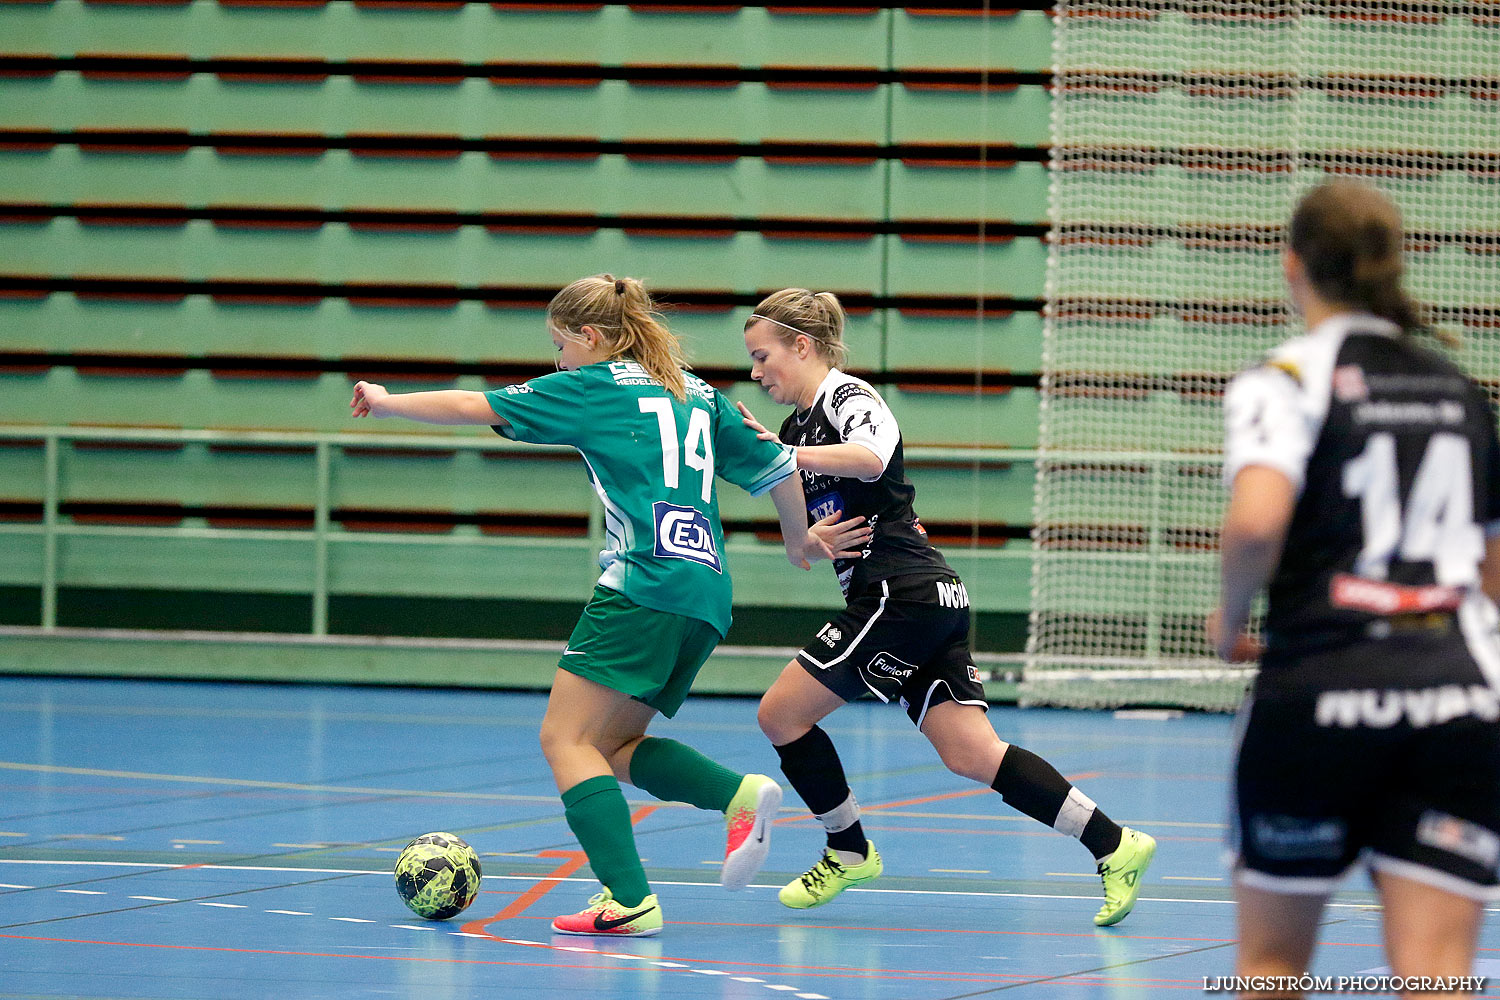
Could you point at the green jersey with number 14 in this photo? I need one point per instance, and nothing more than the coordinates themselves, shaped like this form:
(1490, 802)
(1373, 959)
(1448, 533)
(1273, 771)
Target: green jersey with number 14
(652, 460)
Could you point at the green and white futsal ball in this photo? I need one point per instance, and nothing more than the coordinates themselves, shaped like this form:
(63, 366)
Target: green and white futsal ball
(437, 875)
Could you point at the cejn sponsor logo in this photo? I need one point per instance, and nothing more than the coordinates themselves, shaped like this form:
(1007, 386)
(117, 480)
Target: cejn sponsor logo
(685, 533)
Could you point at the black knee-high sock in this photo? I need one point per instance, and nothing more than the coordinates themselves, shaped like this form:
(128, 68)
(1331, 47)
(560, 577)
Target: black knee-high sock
(1033, 786)
(813, 767)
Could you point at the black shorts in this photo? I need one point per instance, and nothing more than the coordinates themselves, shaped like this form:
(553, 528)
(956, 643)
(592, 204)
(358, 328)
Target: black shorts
(907, 641)
(1323, 777)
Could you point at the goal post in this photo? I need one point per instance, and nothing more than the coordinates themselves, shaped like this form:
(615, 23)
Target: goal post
(1183, 132)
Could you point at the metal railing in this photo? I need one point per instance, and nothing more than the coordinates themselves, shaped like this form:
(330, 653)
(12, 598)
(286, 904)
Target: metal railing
(323, 445)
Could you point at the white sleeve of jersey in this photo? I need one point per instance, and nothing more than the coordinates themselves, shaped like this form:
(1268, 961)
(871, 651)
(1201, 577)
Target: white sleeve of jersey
(861, 417)
(1265, 423)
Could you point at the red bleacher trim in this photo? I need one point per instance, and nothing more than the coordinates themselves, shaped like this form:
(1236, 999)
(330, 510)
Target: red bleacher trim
(262, 449)
(24, 215)
(445, 5)
(378, 301)
(128, 215)
(423, 522)
(265, 299)
(355, 451)
(454, 76)
(126, 295)
(139, 73)
(394, 226)
(381, 151)
(251, 75)
(984, 389)
(566, 75)
(962, 11)
(33, 73)
(258, 374)
(171, 142)
(821, 10)
(80, 444)
(670, 152)
(298, 225)
(990, 236)
(564, 8)
(964, 86)
(541, 229)
(703, 8)
(676, 232)
(130, 371)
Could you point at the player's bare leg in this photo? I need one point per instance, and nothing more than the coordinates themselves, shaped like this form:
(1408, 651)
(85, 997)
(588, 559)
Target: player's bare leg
(1277, 934)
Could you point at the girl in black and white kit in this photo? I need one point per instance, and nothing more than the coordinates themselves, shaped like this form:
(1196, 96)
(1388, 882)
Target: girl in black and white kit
(1364, 476)
(904, 633)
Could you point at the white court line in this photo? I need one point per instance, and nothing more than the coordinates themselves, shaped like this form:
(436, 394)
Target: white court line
(84, 892)
(8, 885)
(589, 881)
(158, 899)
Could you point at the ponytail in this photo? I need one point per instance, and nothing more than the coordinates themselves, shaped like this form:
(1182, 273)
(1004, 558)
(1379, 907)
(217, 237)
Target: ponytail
(627, 321)
(818, 316)
(1349, 238)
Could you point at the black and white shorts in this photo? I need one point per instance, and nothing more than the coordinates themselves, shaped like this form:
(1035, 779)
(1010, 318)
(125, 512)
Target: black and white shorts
(1379, 777)
(908, 642)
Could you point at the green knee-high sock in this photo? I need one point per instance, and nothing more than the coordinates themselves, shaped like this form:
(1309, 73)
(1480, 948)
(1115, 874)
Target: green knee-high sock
(676, 772)
(598, 816)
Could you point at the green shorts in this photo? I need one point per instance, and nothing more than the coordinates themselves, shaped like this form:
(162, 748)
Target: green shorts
(653, 656)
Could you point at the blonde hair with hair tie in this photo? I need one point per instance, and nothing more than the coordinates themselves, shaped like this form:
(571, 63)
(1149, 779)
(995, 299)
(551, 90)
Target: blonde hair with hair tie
(622, 313)
(818, 316)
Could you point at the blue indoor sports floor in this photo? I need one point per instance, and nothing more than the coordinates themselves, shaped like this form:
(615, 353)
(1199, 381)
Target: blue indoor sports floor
(236, 841)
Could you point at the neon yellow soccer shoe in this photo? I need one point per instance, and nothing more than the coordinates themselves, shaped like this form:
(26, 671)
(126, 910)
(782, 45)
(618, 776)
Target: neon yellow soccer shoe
(829, 877)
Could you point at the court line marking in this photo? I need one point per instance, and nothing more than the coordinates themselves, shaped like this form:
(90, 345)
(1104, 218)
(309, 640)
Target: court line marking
(290, 786)
(790, 815)
(978, 894)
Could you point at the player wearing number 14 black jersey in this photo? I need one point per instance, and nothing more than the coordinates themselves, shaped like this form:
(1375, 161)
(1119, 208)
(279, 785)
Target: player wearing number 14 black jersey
(1365, 494)
(904, 632)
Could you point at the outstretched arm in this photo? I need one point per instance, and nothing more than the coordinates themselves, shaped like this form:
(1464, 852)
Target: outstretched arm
(854, 460)
(442, 406)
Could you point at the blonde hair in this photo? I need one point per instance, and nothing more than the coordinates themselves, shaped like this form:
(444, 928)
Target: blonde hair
(621, 311)
(818, 316)
(1349, 238)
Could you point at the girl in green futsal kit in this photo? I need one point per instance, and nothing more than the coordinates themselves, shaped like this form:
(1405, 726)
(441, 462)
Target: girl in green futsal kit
(653, 438)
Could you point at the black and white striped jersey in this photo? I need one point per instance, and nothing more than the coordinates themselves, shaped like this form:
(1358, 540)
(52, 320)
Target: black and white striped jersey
(1394, 454)
(849, 410)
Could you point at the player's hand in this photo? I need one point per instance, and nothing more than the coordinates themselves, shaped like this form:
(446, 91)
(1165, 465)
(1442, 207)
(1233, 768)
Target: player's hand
(1241, 647)
(755, 425)
(368, 397)
(830, 538)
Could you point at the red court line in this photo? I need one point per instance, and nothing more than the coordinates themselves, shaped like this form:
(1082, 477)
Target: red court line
(832, 974)
(575, 860)
(294, 954)
(965, 793)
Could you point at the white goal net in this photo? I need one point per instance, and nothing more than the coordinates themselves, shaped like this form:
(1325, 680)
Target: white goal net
(1183, 132)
